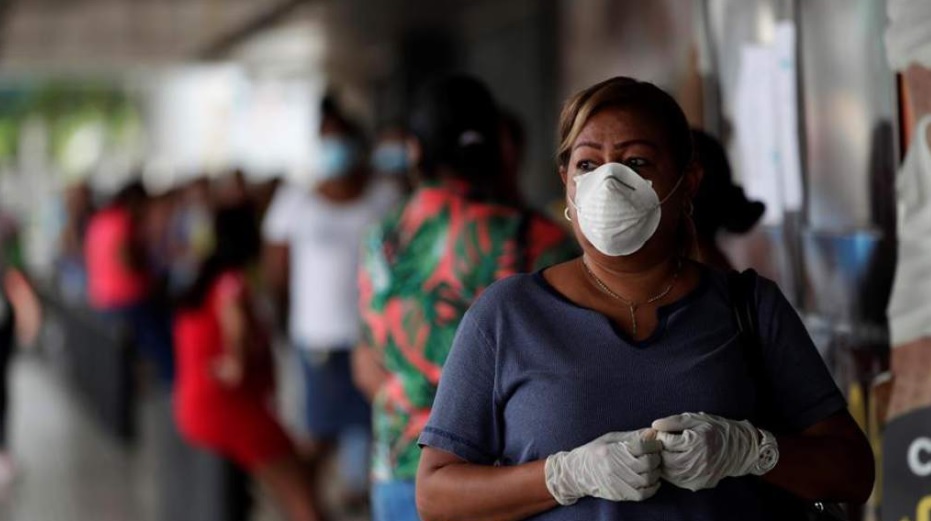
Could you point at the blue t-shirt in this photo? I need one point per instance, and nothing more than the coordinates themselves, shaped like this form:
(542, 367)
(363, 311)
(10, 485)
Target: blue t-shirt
(531, 374)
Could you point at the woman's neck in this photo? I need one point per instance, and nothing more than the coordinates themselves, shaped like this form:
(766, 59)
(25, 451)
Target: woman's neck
(636, 281)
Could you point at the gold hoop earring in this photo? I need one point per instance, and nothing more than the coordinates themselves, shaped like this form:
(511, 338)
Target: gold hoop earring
(566, 214)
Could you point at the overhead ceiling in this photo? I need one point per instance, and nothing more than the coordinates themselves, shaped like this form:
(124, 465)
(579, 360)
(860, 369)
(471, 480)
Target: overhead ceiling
(113, 34)
(95, 35)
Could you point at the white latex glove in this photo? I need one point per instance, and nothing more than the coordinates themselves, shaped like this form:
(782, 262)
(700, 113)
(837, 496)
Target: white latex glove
(619, 466)
(699, 450)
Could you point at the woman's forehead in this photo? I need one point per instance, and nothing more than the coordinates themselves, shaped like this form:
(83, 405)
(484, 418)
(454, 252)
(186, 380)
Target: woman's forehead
(614, 125)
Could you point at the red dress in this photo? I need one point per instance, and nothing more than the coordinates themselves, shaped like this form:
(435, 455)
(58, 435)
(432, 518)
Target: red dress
(236, 422)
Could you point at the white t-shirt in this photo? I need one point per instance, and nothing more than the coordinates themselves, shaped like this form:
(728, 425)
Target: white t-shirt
(324, 240)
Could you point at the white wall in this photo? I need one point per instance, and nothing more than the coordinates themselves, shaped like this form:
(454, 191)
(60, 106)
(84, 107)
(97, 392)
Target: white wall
(213, 118)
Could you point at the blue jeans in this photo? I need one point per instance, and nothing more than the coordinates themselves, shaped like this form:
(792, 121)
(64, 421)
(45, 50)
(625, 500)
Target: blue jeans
(336, 411)
(394, 501)
(332, 402)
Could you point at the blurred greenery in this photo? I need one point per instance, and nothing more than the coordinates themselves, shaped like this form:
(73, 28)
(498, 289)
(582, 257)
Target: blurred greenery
(65, 106)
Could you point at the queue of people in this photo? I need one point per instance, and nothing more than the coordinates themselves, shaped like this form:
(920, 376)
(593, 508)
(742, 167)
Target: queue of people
(462, 355)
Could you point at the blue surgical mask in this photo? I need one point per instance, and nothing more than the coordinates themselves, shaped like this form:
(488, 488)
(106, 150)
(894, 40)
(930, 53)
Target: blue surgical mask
(390, 158)
(338, 156)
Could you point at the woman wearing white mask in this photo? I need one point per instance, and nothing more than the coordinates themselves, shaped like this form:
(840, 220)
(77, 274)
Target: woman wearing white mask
(617, 386)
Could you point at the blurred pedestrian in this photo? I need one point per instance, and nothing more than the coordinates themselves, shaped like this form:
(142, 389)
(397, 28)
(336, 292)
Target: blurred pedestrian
(225, 385)
(426, 263)
(20, 317)
(314, 240)
(390, 161)
(719, 204)
(156, 230)
(72, 276)
(119, 279)
(190, 234)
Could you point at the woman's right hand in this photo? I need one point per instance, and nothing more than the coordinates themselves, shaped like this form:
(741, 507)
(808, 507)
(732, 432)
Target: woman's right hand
(619, 466)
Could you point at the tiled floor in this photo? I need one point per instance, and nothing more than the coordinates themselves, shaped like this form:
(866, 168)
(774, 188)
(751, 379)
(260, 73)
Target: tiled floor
(71, 470)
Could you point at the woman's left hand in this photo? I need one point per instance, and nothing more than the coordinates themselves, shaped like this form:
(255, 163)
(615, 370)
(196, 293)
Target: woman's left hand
(228, 370)
(699, 450)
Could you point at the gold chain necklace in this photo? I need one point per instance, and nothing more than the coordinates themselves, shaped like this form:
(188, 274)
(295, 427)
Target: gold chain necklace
(630, 304)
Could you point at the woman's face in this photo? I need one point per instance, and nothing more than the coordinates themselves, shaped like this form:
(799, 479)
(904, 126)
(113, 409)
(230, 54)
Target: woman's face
(620, 135)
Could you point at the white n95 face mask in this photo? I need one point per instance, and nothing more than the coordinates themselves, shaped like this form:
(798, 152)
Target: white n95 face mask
(618, 211)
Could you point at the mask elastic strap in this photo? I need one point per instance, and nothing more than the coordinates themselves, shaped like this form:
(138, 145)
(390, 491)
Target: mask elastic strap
(678, 184)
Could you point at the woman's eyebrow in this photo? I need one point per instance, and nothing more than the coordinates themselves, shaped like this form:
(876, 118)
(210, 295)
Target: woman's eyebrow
(589, 144)
(620, 144)
(631, 142)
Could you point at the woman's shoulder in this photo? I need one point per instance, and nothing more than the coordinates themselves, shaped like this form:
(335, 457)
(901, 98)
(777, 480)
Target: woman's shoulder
(766, 292)
(501, 298)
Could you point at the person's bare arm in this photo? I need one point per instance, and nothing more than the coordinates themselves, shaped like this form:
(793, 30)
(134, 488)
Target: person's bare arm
(450, 489)
(367, 371)
(230, 368)
(832, 460)
(275, 266)
(276, 272)
(26, 305)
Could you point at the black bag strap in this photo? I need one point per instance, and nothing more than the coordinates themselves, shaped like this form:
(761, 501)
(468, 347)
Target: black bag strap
(741, 287)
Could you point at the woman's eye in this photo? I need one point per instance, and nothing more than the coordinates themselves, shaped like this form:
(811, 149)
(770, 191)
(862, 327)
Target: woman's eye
(585, 165)
(636, 162)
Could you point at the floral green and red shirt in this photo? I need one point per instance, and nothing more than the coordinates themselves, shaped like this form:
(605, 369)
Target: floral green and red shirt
(422, 268)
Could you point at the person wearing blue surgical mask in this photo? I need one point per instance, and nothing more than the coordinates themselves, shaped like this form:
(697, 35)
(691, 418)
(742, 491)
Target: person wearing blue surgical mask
(313, 239)
(390, 161)
(339, 157)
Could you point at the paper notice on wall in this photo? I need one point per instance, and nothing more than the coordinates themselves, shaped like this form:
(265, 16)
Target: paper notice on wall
(786, 104)
(755, 130)
(766, 125)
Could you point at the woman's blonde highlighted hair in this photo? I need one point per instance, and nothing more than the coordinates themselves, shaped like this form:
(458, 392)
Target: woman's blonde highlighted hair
(628, 93)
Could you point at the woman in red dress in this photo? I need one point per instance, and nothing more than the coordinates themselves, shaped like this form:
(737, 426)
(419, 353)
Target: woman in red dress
(225, 384)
